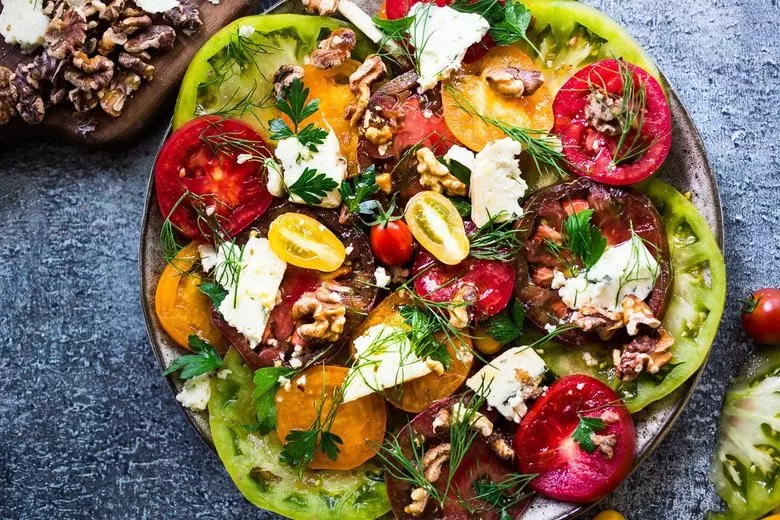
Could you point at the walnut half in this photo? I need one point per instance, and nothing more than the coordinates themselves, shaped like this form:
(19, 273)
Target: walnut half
(334, 50)
(514, 82)
(326, 309)
(436, 176)
(7, 95)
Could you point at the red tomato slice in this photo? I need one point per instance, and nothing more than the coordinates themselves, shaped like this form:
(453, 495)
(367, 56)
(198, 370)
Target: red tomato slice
(395, 9)
(423, 124)
(544, 444)
(592, 153)
(493, 279)
(189, 163)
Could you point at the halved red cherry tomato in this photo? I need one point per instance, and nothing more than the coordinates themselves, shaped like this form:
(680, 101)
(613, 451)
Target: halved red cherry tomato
(392, 242)
(608, 154)
(395, 9)
(761, 316)
(198, 172)
(544, 442)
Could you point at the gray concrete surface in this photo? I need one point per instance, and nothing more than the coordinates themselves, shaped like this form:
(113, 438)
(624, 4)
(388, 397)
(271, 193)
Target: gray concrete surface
(88, 428)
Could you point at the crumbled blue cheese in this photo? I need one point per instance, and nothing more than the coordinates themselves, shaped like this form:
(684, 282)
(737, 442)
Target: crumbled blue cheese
(509, 380)
(460, 155)
(295, 158)
(275, 179)
(441, 36)
(156, 6)
(381, 277)
(384, 358)
(254, 293)
(23, 23)
(496, 184)
(245, 31)
(196, 392)
(627, 268)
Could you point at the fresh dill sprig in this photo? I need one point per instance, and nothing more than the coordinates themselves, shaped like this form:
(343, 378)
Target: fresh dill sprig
(228, 143)
(503, 494)
(239, 104)
(168, 243)
(204, 360)
(423, 326)
(240, 52)
(462, 431)
(543, 148)
(312, 186)
(496, 240)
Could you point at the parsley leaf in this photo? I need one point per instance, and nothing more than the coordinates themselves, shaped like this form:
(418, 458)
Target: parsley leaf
(312, 186)
(294, 103)
(490, 10)
(463, 206)
(512, 29)
(397, 26)
(586, 427)
(328, 442)
(355, 193)
(584, 239)
(458, 170)
(299, 447)
(507, 325)
(266, 384)
(205, 359)
(279, 129)
(311, 136)
(215, 292)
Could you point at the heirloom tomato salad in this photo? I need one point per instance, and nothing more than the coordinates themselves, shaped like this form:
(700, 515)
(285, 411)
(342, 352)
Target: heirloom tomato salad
(420, 260)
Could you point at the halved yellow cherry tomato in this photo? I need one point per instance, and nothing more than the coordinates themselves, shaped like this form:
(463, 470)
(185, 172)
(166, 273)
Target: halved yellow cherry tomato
(485, 343)
(436, 224)
(360, 424)
(182, 308)
(304, 242)
(609, 514)
(331, 87)
(532, 112)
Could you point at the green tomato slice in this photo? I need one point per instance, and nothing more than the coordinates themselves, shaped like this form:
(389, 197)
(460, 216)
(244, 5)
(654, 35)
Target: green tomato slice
(232, 74)
(746, 463)
(692, 315)
(252, 461)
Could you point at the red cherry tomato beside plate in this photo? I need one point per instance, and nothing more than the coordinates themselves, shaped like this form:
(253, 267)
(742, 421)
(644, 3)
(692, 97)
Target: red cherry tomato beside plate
(199, 160)
(608, 154)
(568, 470)
(761, 316)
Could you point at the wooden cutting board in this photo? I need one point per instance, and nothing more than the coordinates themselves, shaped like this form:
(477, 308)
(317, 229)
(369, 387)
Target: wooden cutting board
(151, 102)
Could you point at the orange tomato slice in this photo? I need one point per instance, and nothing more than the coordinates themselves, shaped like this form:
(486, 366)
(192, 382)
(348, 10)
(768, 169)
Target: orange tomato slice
(532, 112)
(359, 423)
(183, 310)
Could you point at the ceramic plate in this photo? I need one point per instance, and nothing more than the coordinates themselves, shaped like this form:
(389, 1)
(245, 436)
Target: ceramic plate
(687, 169)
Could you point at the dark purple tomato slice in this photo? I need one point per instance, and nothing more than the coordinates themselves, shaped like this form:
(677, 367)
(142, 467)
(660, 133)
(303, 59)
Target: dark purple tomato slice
(356, 275)
(478, 465)
(194, 176)
(624, 152)
(544, 442)
(616, 211)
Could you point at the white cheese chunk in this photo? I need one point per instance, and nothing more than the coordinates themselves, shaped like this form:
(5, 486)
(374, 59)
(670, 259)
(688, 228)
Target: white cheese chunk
(245, 31)
(23, 23)
(627, 268)
(381, 277)
(253, 296)
(384, 358)
(461, 155)
(327, 160)
(156, 6)
(496, 184)
(509, 380)
(196, 392)
(275, 180)
(441, 36)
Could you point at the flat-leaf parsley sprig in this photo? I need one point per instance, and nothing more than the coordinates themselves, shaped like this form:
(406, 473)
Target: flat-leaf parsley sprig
(204, 360)
(295, 104)
(508, 21)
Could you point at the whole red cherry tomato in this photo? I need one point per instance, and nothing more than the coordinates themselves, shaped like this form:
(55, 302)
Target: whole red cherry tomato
(392, 242)
(761, 316)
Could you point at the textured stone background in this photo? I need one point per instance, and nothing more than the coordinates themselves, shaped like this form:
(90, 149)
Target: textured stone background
(88, 428)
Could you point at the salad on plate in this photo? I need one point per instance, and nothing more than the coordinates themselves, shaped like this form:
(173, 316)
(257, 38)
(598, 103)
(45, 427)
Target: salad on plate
(420, 260)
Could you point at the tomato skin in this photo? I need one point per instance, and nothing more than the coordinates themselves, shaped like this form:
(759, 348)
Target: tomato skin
(762, 323)
(392, 243)
(187, 164)
(590, 152)
(544, 444)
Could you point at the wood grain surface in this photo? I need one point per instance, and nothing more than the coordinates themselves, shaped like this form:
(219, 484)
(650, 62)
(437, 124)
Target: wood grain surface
(148, 104)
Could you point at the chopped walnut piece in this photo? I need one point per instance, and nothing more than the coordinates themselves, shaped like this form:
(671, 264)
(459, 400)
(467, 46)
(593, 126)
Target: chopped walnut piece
(647, 351)
(435, 176)
(159, 37)
(478, 421)
(590, 317)
(514, 82)
(321, 7)
(636, 312)
(442, 420)
(325, 307)
(90, 74)
(284, 77)
(113, 11)
(83, 100)
(136, 64)
(379, 136)
(419, 500)
(605, 444)
(334, 50)
(501, 447)
(110, 40)
(29, 80)
(65, 34)
(385, 182)
(610, 416)
(602, 112)
(372, 69)
(434, 459)
(113, 97)
(459, 309)
(132, 24)
(7, 95)
(185, 16)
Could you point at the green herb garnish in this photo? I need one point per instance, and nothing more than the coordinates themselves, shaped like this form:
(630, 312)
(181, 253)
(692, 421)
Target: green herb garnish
(355, 193)
(204, 360)
(312, 186)
(507, 325)
(585, 428)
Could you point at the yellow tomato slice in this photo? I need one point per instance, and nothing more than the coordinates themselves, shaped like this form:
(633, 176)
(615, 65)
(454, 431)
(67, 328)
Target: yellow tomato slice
(304, 242)
(331, 87)
(532, 112)
(360, 424)
(435, 223)
(183, 310)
